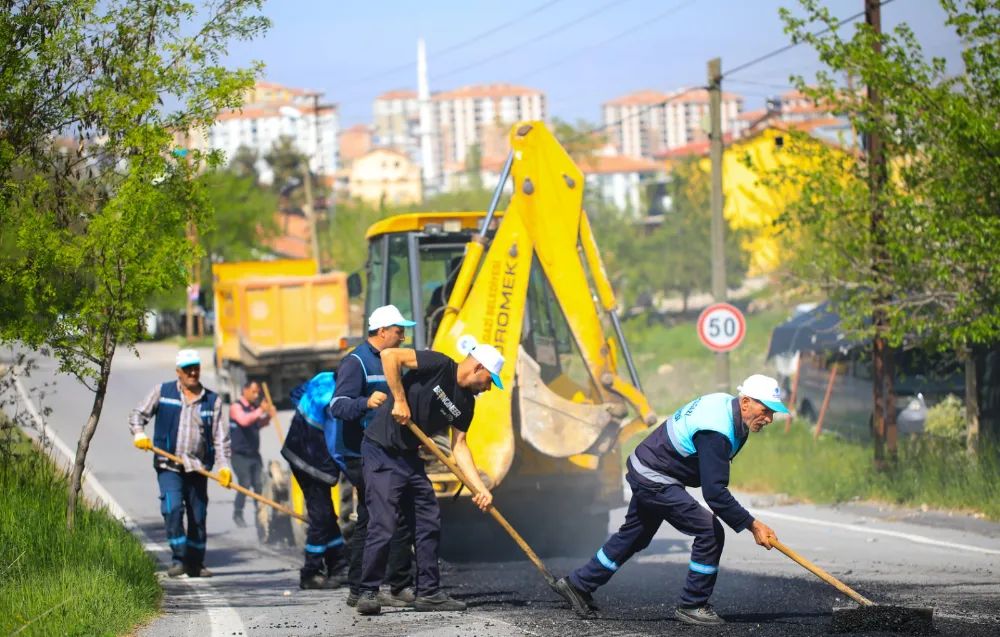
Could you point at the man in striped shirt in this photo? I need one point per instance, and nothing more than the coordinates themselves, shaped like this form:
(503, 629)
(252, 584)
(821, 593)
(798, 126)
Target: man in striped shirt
(187, 422)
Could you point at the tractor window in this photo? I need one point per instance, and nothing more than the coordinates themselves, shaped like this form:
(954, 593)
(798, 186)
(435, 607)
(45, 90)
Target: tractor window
(438, 268)
(376, 276)
(550, 342)
(399, 275)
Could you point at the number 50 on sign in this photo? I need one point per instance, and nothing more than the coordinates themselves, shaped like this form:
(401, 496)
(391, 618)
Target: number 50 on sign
(721, 327)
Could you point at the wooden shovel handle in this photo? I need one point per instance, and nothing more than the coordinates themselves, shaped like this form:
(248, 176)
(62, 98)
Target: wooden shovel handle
(820, 573)
(496, 514)
(233, 485)
(277, 425)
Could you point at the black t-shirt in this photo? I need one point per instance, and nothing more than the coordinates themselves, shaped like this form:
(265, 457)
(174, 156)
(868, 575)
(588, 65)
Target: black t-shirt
(436, 402)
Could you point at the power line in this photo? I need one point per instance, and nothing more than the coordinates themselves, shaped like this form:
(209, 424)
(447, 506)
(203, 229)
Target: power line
(789, 47)
(533, 40)
(617, 36)
(472, 40)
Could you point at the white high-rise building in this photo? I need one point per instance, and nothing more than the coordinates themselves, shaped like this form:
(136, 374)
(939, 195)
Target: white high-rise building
(272, 111)
(647, 122)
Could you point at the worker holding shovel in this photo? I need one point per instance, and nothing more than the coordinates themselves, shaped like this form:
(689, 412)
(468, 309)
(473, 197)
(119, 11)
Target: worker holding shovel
(692, 448)
(441, 393)
(188, 423)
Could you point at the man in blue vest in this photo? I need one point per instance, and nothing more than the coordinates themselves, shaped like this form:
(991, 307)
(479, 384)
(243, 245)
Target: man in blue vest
(188, 423)
(316, 472)
(692, 448)
(361, 389)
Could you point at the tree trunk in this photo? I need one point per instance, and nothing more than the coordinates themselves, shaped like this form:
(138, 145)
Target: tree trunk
(685, 295)
(83, 445)
(971, 405)
(878, 387)
(891, 433)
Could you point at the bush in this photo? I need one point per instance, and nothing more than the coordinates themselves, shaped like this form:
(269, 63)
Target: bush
(947, 419)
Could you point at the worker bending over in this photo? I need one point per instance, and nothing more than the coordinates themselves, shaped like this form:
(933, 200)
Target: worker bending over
(316, 472)
(361, 389)
(692, 448)
(441, 393)
(187, 422)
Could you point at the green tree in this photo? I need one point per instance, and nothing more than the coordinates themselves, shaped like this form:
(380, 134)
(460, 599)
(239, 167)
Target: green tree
(244, 162)
(905, 247)
(582, 141)
(474, 167)
(676, 256)
(288, 164)
(91, 235)
(244, 216)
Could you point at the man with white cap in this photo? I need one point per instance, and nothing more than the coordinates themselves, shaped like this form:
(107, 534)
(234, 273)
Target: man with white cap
(188, 423)
(692, 448)
(361, 389)
(441, 393)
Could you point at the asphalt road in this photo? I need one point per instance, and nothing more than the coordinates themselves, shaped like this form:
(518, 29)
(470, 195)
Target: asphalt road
(902, 557)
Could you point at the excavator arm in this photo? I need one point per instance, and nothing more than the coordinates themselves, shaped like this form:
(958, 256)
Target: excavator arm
(541, 268)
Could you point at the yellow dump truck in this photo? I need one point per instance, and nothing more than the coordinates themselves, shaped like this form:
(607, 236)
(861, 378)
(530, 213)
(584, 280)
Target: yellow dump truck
(278, 321)
(529, 281)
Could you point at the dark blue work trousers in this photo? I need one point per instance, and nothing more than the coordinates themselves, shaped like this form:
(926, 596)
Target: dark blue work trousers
(182, 493)
(396, 481)
(647, 509)
(324, 550)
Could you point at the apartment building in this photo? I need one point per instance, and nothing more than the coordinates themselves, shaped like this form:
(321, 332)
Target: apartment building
(645, 123)
(272, 111)
(396, 117)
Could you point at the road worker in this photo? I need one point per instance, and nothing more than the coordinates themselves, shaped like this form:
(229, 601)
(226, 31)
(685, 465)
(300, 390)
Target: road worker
(187, 423)
(692, 448)
(316, 472)
(361, 389)
(440, 393)
(246, 418)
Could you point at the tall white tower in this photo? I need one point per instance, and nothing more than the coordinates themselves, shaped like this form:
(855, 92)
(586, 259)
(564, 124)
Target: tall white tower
(428, 164)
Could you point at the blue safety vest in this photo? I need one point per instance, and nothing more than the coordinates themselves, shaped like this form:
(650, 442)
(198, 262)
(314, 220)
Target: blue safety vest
(668, 455)
(168, 419)
(374, 380)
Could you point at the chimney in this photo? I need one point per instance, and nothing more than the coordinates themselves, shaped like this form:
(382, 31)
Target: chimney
(427, 162)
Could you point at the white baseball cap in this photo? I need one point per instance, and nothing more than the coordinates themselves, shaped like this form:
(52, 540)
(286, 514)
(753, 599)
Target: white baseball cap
(766, 390)
(387, 316)
(187, 357)
(491, 359)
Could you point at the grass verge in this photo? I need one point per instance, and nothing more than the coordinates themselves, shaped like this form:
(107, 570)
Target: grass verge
(94, 580)
(932, 472)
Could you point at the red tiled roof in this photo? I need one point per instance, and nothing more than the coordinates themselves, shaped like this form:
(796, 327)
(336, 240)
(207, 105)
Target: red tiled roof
(399, 94)
(270, 109)
(650, 96)
(611, 164)
(497, 89)
(694, 148)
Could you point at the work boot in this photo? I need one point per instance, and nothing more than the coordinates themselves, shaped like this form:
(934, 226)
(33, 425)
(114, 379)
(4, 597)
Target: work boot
(402, 599)
(176, 569)
(352, 599)
(702, 615)
(318, 581)
(239, 521)
(198, 571)
(368, 603)
(579, 601)
(439, 601)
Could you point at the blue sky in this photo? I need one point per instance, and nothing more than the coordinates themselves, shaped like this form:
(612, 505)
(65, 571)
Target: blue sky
(348, 49)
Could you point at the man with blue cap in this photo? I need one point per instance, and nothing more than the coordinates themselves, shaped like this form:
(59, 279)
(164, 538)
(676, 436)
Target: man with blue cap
(188, 423)
(441, 394)
(692, 448)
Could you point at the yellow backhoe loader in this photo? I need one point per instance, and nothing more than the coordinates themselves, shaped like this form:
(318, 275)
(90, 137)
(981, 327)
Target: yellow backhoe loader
(529, 281)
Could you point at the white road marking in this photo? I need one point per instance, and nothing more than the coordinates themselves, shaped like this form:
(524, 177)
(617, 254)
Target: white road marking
(222, 619)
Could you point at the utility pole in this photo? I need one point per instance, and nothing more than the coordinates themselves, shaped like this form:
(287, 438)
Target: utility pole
(194, 284)
(883, 372)
(718, 222)
(310, 209)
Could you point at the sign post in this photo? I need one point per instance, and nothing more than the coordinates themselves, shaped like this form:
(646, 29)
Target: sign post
(721, 327)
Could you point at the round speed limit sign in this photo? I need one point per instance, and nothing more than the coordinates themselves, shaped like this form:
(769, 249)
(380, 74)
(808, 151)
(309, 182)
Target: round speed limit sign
(721, 327)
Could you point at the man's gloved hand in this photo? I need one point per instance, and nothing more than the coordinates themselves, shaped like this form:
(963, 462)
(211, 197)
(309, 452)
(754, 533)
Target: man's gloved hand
(143, 442)
(225, 477)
